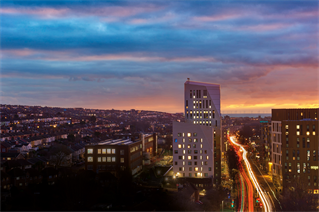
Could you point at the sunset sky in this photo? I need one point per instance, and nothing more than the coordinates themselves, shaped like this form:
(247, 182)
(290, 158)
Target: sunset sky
(138, 54)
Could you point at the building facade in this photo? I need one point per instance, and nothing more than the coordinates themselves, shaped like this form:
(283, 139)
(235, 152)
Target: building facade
(114, 156)
(192, 150)
(149, 143)
(298, 147)
(202, 109)
(265, 141)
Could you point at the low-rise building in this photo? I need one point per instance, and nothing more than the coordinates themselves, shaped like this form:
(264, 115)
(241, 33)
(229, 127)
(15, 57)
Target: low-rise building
(114, 156)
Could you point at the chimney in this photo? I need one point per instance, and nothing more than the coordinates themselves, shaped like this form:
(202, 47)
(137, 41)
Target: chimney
(187, 79)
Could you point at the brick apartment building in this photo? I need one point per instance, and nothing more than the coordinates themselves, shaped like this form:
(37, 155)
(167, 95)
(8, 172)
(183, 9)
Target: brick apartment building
(295, 147)
(114, 155)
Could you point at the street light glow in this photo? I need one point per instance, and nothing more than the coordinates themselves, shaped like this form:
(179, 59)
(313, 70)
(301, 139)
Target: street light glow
(264, 199)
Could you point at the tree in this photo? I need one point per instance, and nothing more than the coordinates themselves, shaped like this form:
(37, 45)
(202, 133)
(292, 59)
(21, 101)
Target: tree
(297, 198)
(71, 137)
(58, 154)
(244, 134)
(232, 161)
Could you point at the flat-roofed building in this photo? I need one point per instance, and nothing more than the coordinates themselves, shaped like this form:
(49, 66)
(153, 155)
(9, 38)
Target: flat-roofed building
(114, 155)
(295, 147)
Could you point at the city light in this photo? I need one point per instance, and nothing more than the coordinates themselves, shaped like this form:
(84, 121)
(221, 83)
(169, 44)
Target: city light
(264, 199)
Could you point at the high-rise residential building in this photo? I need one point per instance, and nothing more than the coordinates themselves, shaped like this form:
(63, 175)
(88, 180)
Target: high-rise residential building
(197, 142)
(294, 143)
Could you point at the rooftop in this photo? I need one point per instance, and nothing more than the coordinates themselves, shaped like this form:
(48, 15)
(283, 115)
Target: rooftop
(201, 83)
(116, 142)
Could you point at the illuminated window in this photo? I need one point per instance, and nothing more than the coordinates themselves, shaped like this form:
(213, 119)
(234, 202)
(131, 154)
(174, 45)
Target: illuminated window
(297, 126)
(195, 140)
(122, 160)
(179, 146)
(201, 146)
(207, 157)
(183, 145)
(183, 140)
(298, 133)
(113, 159)
(99, 159)
(196, 169)
(308, 133)
(108, 159)
(184, 151)
(90, 159)
(108, 151)
(188, 146)
(183, 163)
(286, 126)
(113, 150)
(201, 157)
(189, 157)
(313, 133)
(99, 151)
(104, 159)
(103, 151)
(189, 134)
(201, 140)
(90, 151)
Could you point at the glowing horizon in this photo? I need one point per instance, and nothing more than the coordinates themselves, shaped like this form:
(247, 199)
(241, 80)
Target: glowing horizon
(137, 55)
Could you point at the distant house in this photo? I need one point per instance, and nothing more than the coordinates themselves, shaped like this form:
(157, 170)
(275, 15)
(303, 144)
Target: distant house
(78, 151)
(50, 175)
(36, 141)
(39, 162)
(5, 146)
(5, 181)
(11, 156)
(19, 163)
(33, 176)
(17, 177)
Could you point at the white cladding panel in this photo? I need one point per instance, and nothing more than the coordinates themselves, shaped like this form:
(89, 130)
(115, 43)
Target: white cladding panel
(200, 151)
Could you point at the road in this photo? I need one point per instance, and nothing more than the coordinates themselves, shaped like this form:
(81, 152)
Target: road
(266, 202)
(266, 184)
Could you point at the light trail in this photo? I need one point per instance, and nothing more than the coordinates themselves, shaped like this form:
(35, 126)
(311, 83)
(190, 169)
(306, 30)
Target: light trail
(242, 193)
(250, 191)
(264, 200)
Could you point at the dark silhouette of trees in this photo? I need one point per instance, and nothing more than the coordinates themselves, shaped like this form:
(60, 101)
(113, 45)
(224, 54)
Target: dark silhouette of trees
(297, 198)
(71, 137)
(232, 161)
(58, 154)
